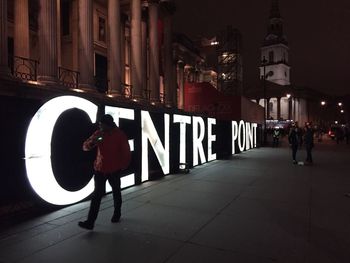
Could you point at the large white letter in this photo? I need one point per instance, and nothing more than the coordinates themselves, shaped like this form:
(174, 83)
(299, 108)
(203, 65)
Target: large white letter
(38, 150)
(149, 132)
(198, 139)
(255, 125)
(183, 120)
(211, 139)
(249, 136)
(234, 136)
(241, 135)
(117, 114)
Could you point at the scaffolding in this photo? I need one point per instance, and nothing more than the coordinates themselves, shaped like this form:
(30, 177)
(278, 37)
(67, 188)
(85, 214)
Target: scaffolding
(229, 55)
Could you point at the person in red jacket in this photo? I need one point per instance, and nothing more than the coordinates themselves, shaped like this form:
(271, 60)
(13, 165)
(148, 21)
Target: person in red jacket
(113, 156)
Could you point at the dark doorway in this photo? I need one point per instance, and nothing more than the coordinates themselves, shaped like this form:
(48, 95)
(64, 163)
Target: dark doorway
(101, 80)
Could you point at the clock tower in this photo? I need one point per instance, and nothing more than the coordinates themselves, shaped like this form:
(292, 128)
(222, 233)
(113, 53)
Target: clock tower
(275, 50)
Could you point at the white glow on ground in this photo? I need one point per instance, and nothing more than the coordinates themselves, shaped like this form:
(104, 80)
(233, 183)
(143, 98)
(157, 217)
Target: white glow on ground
(38, 150)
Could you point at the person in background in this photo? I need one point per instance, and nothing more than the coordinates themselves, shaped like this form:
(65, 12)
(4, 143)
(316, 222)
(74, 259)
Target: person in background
(309, 142)
(275, 136)
(113, 156)
(293, 141)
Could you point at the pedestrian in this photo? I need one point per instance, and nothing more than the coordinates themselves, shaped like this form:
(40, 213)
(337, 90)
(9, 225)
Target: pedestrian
(113, 156)
(275, 136)
(309, 142)
(293, 141)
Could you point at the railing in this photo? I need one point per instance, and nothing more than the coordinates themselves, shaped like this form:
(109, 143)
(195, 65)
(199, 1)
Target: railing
(23, 68)
(68, 78)
(127, 91)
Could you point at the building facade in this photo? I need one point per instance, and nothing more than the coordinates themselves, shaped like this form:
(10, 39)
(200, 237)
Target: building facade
(117, 48)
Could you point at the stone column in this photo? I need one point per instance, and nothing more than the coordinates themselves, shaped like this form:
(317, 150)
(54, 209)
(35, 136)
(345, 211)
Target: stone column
(278, 108)
(4, 69)
(153, 13)
(48, 41)
(124, 18)
(168, 60)
(21, 29)
(180, 83)
(114, 47)
(136, 49)
(268, 108)
(144, 53)
(86, 48)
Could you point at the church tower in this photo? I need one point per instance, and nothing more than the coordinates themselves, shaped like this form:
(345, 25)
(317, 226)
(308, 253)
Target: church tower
(275, 50)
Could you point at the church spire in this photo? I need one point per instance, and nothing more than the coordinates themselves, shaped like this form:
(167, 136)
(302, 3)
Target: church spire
(275, 10)
(275, 28)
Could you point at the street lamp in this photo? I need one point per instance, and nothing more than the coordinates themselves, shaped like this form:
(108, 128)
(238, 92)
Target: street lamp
(323, 103)
(340, 104)
(264, 61)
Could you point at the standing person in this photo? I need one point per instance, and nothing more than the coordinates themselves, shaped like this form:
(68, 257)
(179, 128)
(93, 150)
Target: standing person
(276, 136)
(113, 155)
(293, 141)
(309, 142)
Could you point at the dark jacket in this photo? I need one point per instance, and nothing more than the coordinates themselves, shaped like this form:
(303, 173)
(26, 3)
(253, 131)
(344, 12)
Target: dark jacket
(293, 137)
(309, 137)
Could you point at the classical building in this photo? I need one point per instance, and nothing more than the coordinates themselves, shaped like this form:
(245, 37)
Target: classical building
(122, 49)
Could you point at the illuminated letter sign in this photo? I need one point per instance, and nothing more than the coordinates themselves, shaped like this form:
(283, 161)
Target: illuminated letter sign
(211, 139)
(241, 136)
(198, 123)
(38, 150)
(149, 133)
(183, 120)
(234, 136)
(39, 135)
(129, 114)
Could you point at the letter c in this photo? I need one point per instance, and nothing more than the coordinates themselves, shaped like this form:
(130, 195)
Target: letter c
(38, 150)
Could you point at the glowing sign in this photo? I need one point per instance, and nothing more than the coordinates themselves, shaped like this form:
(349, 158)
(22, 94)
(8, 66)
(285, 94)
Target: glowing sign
(198, 124)
(183, 120)
(149, 133)
(117, 114)
(38, 150)
(244, 134)
(211, 139)
(39, 134)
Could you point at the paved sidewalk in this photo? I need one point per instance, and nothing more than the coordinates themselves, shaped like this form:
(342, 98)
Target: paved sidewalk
(256, 207)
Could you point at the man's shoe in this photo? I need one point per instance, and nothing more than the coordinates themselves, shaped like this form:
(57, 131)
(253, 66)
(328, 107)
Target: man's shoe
(295, 162)
(86, 224)
(115, 218)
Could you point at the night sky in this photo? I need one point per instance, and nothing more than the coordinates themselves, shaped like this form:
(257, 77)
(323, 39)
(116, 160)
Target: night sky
(318, 32)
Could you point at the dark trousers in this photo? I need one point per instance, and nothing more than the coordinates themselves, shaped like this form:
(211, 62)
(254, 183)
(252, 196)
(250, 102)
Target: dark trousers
(294, 151)
(100, 186)
(308, 153)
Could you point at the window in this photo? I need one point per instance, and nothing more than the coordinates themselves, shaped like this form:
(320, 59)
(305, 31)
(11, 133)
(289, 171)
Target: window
(101, 29)
(65, 18)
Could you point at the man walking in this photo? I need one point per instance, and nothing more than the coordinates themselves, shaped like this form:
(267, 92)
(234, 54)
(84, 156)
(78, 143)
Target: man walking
(113, 155)
(293, 141)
